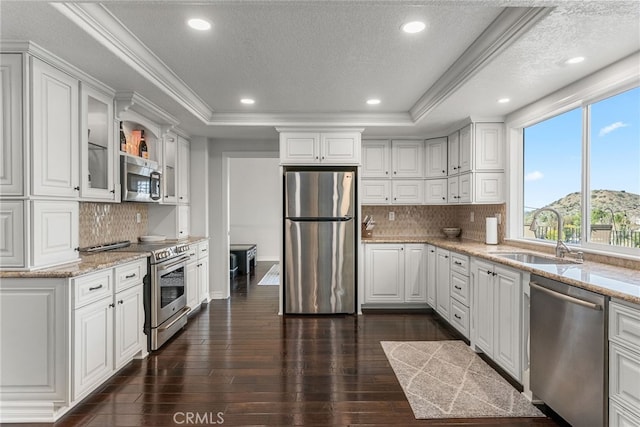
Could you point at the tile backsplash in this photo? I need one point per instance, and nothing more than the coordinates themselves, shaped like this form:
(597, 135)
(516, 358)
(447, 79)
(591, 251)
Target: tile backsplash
(111, 222)
(429, 220)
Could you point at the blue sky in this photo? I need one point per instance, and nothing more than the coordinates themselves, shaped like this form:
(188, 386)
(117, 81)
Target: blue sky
(553, 151)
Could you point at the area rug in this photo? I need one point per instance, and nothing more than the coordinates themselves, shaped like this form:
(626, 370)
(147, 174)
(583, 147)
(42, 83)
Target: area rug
(446, 379)
(272, 277)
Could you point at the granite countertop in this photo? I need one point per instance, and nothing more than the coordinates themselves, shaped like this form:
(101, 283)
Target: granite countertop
(88, 263)
(605, 279)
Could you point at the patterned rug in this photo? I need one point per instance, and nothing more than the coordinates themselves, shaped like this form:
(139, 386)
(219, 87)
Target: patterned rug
(272, 277)
(446, 379)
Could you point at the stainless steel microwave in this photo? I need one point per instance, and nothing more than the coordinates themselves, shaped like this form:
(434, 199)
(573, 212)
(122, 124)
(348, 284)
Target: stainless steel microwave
(140, 179)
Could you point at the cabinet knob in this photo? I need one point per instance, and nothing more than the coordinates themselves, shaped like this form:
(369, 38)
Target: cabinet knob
(77, 188)
(446, 256)
(395, 198)
(166, 197)
(121, 302)
(495, 274)
(77, 249)
(432, 251)
(443, 171)
(459, 167)
(394, 172)
(111, 305)
(488, 272)
(444, 198)
(316, 157)
(454, 168)
(113, 191)
(181, 197)
(386, 172)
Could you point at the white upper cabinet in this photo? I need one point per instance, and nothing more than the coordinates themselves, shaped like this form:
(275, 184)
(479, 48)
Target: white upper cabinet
(330, 148)
(55, 232)
(453, 153)
(436, 158)
(54, 132)
(169, 168)
(407, 159)
(464, 155)
(376, 158)
(435, 191)
(12, 238)
(98, 152)
(11, 143)
(375, 192)
(407, 191)
(489, 146)
(183, 170)
(340, 148)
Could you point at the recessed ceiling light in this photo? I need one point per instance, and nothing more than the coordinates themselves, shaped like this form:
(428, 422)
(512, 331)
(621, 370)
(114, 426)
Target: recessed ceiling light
(503, 100)
(576, 60)
(248, 101)
(373, 101)
(413, 27)
(199, 24)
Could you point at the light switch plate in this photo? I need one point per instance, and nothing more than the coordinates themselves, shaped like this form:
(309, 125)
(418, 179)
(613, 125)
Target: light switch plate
(472, 217)
(138, 217)
(392, 216)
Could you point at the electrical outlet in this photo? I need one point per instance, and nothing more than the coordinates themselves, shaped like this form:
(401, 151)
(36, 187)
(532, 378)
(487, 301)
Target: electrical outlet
(392, 216)
(472, 217)
(499, 216)
(138, 217)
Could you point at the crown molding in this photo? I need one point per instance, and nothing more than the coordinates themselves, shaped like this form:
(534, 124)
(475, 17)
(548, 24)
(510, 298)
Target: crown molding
(37, 51)
(131, 101)
(509, 26)
(103, 26)
(311, 119)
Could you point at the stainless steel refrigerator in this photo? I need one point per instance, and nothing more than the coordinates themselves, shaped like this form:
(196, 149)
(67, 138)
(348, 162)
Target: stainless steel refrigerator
(319, 241)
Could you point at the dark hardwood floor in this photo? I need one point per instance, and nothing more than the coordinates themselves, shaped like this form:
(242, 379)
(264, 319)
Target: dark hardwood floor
(238, 363)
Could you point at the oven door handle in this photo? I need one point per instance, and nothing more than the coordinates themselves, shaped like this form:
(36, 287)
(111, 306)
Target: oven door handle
(183, 313)
(181, 260)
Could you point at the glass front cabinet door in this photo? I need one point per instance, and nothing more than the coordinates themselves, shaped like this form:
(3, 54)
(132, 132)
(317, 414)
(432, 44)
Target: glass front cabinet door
(98, 150)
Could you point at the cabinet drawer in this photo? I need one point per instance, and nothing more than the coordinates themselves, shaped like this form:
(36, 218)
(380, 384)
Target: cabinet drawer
(624, 376)
(624, 325)
(129, 275)
(460, 287)
(92, 287)
(203, 249)
(460, 317)
(460, 263)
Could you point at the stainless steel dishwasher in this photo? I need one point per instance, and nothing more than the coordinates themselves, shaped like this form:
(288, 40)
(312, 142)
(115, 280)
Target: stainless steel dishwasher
(569, 351)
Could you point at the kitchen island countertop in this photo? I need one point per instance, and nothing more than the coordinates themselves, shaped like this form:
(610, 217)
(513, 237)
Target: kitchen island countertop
(605, 279)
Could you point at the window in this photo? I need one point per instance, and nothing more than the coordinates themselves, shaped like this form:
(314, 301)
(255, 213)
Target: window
(557, 177)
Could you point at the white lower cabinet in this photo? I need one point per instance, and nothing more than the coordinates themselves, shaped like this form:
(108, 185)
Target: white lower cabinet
(497, 307)
(395, 273)
(459, 291)
(624, 364)
(435, 191)
(443, 281)
(108, 322)
(81, 331)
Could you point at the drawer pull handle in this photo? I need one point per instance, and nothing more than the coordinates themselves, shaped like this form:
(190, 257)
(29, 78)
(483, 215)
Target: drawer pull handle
(95, 287)
(130, 276)
(457, 317)
(458, 288)
(457, 262)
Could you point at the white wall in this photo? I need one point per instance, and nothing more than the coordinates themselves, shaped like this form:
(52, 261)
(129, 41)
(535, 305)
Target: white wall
(219, 151)
(254, 204)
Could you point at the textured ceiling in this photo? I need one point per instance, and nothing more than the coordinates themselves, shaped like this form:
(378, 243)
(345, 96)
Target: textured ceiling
(328, 57)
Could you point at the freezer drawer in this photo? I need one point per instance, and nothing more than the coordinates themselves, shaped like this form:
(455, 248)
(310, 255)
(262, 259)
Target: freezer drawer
(319, 267)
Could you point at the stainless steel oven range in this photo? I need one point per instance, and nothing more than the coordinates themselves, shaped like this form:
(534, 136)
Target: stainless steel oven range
(165, 300)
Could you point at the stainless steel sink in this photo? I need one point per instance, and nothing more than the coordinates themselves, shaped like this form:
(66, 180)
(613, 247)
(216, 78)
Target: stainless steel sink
(529, 258)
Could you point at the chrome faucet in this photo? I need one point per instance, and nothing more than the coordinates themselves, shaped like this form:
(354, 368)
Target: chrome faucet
(561, 248)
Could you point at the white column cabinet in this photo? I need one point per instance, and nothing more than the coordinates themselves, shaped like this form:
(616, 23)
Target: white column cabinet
(489, 146)
(497, 310)
(54, 132)
(11, 142)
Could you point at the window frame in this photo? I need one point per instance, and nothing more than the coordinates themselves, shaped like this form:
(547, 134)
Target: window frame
(609, 82)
